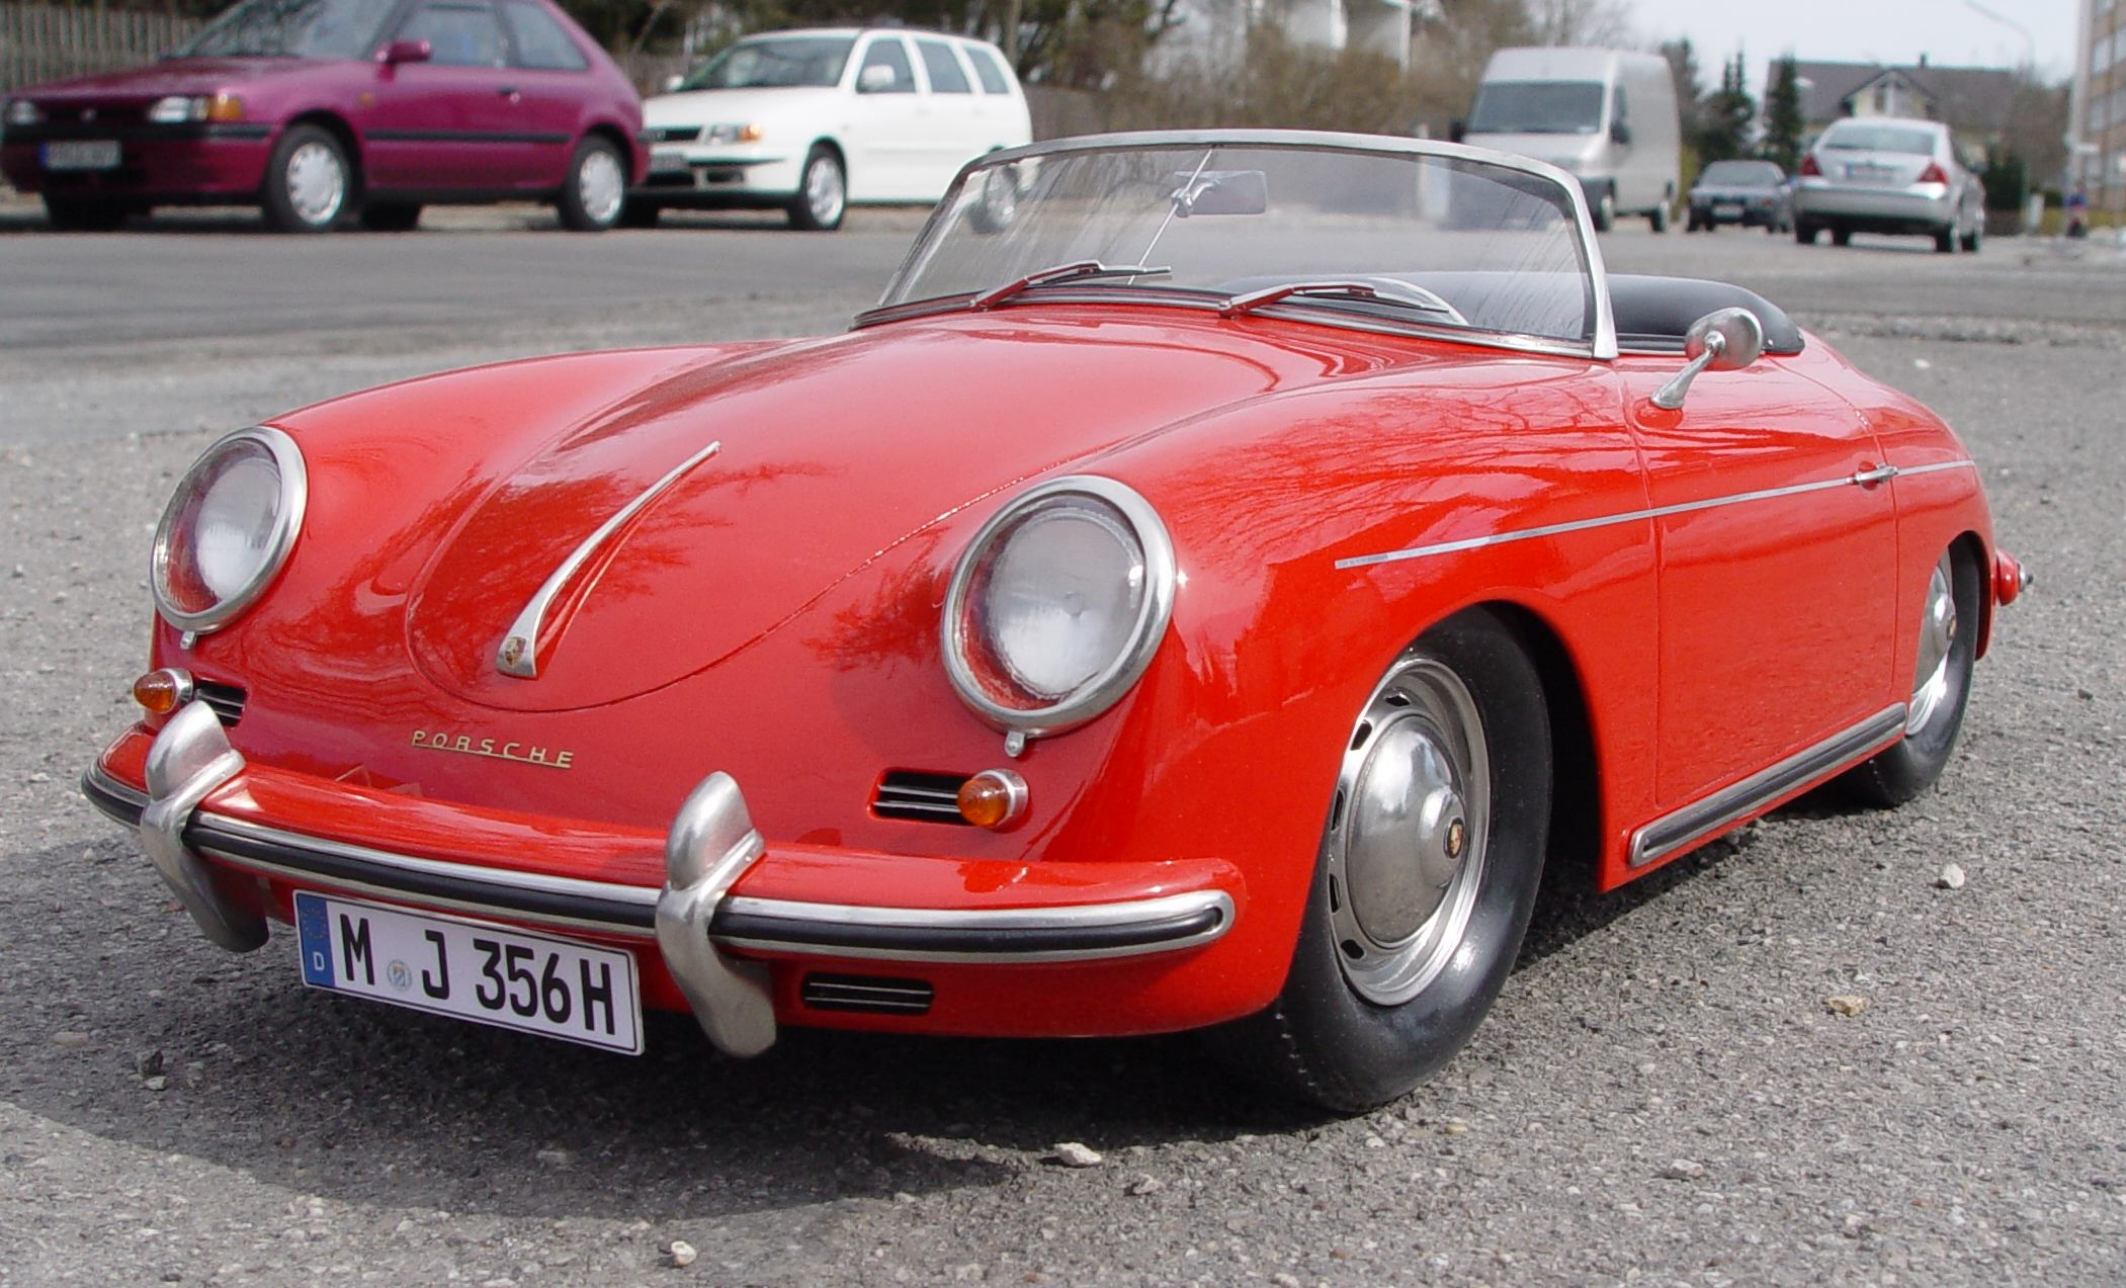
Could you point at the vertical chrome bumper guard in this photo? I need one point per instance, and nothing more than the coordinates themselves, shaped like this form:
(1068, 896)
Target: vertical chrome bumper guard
(187, 761)
(711, 845)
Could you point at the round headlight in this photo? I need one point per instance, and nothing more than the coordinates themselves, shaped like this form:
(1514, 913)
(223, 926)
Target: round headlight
(1058, 604)
(228, 529)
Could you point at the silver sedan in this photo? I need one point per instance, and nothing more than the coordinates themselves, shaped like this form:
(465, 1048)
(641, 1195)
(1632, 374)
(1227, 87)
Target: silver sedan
(1889, 175)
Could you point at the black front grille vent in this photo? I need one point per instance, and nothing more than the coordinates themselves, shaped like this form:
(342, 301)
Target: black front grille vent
(671, 133)
(873, 993)
(226, 699)
(921, 797)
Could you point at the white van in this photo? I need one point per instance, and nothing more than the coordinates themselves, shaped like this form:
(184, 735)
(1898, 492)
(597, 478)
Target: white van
(1606, 115)
(811, 121)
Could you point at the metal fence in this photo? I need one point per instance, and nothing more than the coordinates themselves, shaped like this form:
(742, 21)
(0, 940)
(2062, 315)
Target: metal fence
(43, 42)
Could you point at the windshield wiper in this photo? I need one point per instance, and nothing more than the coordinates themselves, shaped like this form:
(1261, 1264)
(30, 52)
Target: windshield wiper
(1082, 270)
(1386, 292)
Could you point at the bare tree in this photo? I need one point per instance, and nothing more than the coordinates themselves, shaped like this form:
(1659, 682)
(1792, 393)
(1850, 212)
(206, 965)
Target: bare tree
(1580, 22)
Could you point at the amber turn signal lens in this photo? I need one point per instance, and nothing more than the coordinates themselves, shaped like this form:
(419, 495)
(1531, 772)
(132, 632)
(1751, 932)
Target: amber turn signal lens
(161, 692)
(225, 107)
(994, 798)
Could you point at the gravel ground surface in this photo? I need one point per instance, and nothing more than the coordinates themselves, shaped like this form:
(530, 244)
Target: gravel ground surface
(1661, 1095)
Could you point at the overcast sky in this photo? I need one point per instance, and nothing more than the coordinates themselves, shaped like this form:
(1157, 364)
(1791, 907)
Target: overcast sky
(1889, 31)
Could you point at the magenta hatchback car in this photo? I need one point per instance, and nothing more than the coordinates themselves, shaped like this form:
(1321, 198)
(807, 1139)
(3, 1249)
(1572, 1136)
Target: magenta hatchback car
(314, 109)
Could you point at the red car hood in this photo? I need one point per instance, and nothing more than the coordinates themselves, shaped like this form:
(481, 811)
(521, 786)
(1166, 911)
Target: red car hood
(833, 454)
(171, 76)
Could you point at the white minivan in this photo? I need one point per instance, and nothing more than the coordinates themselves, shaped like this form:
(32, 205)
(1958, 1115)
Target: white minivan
(1606, 115)
(811, 121)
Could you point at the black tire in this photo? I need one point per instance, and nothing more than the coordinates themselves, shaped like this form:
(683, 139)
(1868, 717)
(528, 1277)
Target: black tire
(1604, 209)
(309, 181)
(84, 214)
(640, 214)
(1946, 239)
(822, 195)
(1899, 773)
(1657, 218)
(1841, 237)
(1325, 1040)
(1974, 238)
(1805, 234)
(1693, 224)
(594, 192)
(391, 216)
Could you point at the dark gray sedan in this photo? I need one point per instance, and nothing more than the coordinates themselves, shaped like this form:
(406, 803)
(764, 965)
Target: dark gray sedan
(1751, 193)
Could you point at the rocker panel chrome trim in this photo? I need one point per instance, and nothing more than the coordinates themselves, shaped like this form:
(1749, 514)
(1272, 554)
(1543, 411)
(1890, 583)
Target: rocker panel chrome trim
(1672, 832)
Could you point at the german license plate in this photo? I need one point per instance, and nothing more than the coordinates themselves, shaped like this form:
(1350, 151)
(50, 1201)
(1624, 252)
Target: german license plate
(1728, 210)
(471, 971)
(81, 154)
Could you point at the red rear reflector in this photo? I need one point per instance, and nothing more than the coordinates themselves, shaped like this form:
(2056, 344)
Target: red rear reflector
(1809, 166)
(1933, 173)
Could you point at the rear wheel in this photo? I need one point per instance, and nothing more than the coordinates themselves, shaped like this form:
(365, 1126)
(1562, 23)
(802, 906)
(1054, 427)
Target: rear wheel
(596, 187)
(308, 181)
(1658, 217)
(1941, 684)
(822, 192)
(1605, 210)
(1425, 878)
(391, 216)
(1841, 237)
(1975, 236)
(84, 214)
(1805, 233)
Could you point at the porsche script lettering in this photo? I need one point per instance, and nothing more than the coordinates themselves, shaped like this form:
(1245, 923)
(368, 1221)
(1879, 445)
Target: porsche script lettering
(523, 753)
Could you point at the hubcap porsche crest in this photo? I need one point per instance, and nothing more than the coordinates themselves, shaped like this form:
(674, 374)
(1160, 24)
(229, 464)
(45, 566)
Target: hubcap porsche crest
(1937, 637)
(1406, 835)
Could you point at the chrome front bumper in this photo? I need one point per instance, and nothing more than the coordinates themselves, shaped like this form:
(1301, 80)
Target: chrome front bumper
(692, 919)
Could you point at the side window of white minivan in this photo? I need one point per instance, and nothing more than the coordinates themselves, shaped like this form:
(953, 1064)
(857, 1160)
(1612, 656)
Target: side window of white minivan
(989, 69)
(885, 69)
(942, 68)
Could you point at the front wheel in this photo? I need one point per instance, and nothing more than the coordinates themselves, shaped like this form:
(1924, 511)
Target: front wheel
(308, 180)
(596, 188)
(1425, 878)
(1941, 686)
(1605, 210)
(822, 193)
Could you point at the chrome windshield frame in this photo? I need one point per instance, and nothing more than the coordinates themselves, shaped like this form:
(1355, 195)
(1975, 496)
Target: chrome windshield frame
(1603, 347)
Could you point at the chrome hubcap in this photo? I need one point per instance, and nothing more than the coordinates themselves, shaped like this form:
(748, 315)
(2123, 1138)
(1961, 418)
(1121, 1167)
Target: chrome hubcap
(600, 186)
(317, 183)
(1407, 831)
(1937, 635)
(823, 190)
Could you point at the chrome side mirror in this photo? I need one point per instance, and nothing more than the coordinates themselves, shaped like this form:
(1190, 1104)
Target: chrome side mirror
(1722, 340)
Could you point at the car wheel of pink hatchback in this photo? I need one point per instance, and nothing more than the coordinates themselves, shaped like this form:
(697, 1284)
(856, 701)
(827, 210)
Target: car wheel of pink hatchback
(307, 181)
(596, 189)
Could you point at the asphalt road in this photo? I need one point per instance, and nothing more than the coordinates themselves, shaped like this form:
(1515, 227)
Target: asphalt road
(1661, 1095)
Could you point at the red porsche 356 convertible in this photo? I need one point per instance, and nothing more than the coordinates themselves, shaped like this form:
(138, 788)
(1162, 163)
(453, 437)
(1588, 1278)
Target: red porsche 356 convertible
(1213, 586)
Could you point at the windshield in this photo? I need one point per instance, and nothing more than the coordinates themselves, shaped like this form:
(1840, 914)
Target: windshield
(1537, 107)
(1741, 174)
(1221, 219)
(1880, 138)
(775, 62)
(292, 29)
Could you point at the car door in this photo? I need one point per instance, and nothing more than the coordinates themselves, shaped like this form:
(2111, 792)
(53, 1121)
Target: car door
(884, 136)
(1777, 556)
(554, 82)
(953, 113)
(455, 121)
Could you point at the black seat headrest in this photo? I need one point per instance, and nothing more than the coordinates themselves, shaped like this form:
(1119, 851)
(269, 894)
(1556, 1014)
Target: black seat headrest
(1657, 312)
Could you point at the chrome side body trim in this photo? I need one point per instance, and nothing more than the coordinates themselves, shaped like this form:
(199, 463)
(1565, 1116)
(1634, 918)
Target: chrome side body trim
(1627, 516)
(518, 654)
(1938, 467)
(1699, 819)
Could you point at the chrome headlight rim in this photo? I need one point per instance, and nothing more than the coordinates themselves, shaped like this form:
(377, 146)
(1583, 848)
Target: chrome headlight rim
(288, 524)
(1094, 696)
